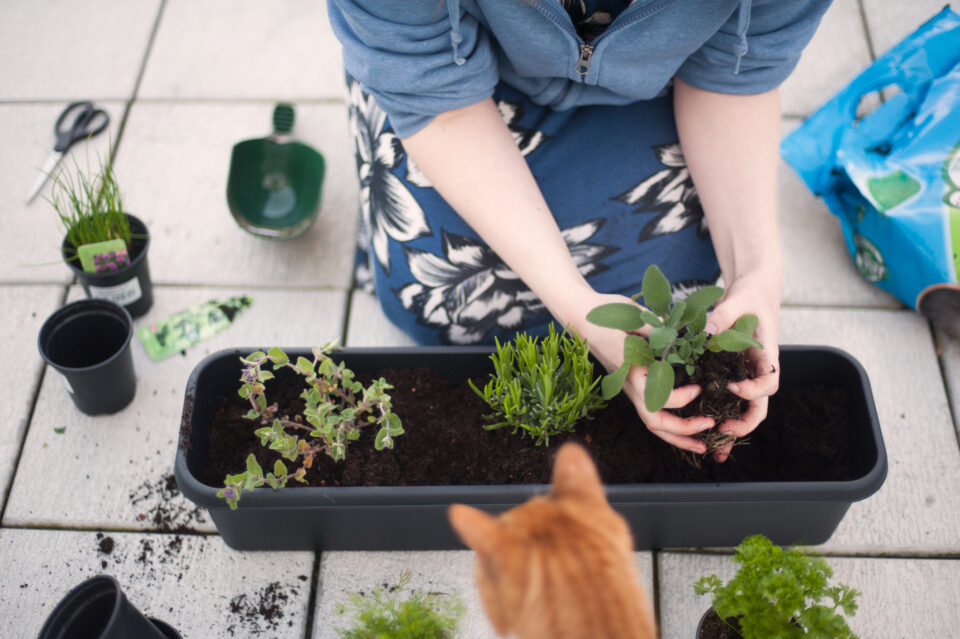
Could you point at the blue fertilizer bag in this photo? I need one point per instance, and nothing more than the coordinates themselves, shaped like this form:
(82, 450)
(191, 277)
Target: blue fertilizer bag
(893, 177)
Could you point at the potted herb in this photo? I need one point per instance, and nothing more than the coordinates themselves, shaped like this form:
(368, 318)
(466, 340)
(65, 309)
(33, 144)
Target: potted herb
(384, 612)
(541, 388)
(776, 592)
(676, 348)
(786, 485)
(105, 246)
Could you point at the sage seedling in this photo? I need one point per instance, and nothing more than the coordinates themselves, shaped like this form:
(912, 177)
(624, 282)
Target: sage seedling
(541, 388)
(677, 335)
(337, 406)
(781, 593)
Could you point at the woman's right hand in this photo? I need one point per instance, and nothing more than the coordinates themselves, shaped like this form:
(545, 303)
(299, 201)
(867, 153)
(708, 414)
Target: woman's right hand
(606, 344)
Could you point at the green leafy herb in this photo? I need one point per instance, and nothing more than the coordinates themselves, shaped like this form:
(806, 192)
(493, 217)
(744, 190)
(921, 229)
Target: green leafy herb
(90, 207)
(384, 613)
(337, 406)
(677, 335)
(541, 388)
(781, 593)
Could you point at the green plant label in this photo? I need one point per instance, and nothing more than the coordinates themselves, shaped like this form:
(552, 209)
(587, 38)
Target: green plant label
(189, 326)
(103, 257)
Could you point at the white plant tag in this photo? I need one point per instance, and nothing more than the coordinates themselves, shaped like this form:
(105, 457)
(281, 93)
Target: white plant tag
(121, 294)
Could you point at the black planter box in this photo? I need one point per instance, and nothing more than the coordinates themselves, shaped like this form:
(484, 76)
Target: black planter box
(414, 517)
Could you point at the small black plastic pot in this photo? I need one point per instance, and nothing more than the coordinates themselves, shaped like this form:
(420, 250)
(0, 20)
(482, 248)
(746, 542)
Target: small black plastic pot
(130, 286)
(98, 609)
(88, 343)
(415, 517)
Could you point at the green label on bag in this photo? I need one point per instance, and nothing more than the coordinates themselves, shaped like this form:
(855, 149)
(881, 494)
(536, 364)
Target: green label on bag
(951, 177)
(190, 326)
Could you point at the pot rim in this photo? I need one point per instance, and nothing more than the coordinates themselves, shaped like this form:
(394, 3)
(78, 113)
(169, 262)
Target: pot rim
(95, 305)
(95, 277)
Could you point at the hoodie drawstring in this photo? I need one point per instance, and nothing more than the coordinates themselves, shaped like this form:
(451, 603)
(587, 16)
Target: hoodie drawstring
(743, 23)
(453, 8)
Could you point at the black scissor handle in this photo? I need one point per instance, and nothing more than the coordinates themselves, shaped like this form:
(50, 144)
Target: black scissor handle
(88, 122)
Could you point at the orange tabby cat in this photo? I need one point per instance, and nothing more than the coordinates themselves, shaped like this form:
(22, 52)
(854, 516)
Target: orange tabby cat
(559, 566)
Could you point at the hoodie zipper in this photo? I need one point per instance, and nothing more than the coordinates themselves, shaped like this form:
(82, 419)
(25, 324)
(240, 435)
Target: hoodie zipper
(582, 67)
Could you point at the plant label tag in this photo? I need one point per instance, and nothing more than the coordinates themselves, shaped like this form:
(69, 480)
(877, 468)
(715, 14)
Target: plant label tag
(103, 257)
(122, 294)
(189, 326)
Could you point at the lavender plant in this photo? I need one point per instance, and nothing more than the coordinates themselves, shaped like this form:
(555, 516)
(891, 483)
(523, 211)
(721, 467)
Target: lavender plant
(337, 407)
(781, 593)
(676, 337)
(541, 388)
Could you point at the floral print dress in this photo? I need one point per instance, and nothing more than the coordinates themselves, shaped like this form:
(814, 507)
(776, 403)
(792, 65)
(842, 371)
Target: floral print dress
(613, 176)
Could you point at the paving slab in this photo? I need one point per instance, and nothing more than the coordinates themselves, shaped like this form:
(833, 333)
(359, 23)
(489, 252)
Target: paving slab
(917, 510)
(23, 309)
(817, 269)
(899, 597)
(835, 55)
(30, 234)
(194, 583)
(69, 51)
(369, 326)
(448, 572)
(116, 471)
(174, 160)
(890, 22)
(277, 50)
(949, 350)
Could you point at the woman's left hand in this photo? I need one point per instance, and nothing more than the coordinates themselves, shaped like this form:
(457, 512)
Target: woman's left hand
(751, 294)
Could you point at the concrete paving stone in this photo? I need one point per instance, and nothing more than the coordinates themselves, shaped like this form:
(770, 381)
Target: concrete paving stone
(30, 234)
(174, 160)
(949, 348)
(899, 597)
(448, 572)
(223, 49)
(116, 471)
(23, 309)
(194, 583)
(917, 510)
(369, 326)
(835, 55)
(817, 269)
(890, 22)
(78, 50)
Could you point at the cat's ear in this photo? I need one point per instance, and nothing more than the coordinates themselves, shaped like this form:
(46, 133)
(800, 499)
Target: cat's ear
(479, 530)
(575, 476)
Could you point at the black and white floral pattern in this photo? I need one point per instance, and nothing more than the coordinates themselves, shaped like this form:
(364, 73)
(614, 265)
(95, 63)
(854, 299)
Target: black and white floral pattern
(668, 193)
(469, 292)
(387, 209)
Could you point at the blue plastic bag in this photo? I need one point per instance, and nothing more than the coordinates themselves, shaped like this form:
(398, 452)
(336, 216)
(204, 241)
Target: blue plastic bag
(893, 177)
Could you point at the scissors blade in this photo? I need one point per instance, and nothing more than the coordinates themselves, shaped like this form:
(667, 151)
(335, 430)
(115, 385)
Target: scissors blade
(53, 159)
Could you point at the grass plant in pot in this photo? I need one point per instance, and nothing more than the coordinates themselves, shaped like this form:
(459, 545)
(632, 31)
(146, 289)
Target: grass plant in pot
(103, 245)
(777, 592)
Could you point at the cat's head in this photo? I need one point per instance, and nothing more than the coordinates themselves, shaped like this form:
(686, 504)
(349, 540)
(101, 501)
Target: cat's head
(556, 560)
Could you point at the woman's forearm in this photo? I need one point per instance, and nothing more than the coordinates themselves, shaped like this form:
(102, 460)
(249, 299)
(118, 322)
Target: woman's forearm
(471, 158)
(730, 144)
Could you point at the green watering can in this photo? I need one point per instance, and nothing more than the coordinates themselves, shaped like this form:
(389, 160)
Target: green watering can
(274, 185)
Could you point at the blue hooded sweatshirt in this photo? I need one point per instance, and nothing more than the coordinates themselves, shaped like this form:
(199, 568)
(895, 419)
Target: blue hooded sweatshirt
(420, 58)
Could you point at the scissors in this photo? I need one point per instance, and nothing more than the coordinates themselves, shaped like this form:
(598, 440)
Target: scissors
(88, 121)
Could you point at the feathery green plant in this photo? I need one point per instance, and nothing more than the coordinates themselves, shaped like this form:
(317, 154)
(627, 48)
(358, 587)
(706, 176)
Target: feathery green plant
(541, 387)
(384, 614)
(781, 593)
(337, 406)
(677, 335)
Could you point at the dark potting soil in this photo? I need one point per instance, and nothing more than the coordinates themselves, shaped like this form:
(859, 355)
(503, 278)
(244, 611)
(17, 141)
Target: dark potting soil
(713, 372)
(713, 627)
(804, 438)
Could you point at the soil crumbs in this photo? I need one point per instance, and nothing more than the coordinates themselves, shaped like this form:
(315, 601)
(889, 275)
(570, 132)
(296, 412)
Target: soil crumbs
(804, 438)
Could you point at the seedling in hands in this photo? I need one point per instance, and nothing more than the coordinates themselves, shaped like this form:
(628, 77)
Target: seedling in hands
(677, 335)
(781, 593)
(337, 406)
(541, 388)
